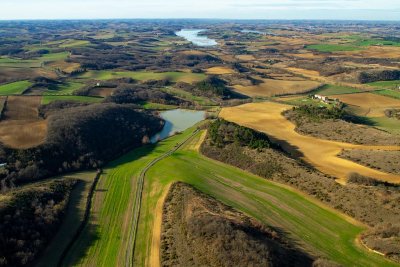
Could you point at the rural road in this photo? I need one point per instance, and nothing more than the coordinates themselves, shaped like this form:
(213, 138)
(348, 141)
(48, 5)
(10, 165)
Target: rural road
(322, 154)
(138, 200)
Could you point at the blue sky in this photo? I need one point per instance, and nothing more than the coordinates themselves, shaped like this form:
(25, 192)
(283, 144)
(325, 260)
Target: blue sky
(232, 9)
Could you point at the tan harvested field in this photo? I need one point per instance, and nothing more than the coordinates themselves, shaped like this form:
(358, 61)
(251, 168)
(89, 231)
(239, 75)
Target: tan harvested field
(21, 127)
(369, 104)
(193, 52)
(271, 87)
(322, 154)
(66, 67)
(375, 52)
(245, 57)
(220, 70)
(157, 225)
(306, 55)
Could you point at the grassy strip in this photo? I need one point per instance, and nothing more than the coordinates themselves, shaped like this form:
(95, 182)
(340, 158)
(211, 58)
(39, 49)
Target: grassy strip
(389, 93)
(86, 99)
(105, 240)
(330, 89)
(332, 47)
(15, 88)
(385, 84)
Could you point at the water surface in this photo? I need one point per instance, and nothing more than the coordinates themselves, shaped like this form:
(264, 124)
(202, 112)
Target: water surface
(177, 120)
(192, 35)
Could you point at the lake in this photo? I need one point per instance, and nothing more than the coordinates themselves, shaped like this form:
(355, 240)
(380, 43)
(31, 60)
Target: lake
(177, 120)
(192, 35)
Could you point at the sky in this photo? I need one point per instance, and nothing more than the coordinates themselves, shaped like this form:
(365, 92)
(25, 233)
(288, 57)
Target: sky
(221, 9)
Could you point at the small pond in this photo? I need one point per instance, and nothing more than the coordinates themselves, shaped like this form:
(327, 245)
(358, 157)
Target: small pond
(177, 120)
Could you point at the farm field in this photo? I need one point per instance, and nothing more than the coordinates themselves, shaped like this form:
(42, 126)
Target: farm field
(104, 242)
(256, 197)
(21, 126)
(386, 84)
(332, 47)
(107, 241)
(32, 63)
(271, 87)
(336, 90)
(15, 88)
(86, 99)
(64, 89)
(389, 93)
(370, 105)
(219, 70)
(320, 153)
(143, 75)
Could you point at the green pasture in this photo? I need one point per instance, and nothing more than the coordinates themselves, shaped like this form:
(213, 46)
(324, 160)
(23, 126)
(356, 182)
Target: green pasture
(15, 88)
(64, 89)
(330, 89)
(46, 99)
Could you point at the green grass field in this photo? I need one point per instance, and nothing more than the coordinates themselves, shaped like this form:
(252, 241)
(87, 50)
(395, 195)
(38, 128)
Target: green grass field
(32, 63)
(391, 125)
(388, 92)
(333, 47)
(330, 89)
(86, 99)
(64, 89)
(15, 88)
(144, 75)
(386, 84)
(375, 42)
(203, 101)
(106, 240)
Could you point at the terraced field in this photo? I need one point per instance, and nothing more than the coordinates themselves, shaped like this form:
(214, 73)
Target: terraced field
(266, 117)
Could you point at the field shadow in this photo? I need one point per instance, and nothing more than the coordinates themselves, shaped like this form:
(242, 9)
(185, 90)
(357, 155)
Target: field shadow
(80, 250)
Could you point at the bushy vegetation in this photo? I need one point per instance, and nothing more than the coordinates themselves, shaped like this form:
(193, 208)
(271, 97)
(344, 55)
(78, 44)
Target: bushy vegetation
(222, 132)
(316, 113)
(82, 137)
(200, 231)
(29, 219)
(375, 76)
(393, 113)
(213, 86)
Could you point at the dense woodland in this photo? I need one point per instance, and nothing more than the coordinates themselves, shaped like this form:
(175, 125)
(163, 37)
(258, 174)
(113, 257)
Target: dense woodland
(201, 231)
(29, 219)
(81, 137)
